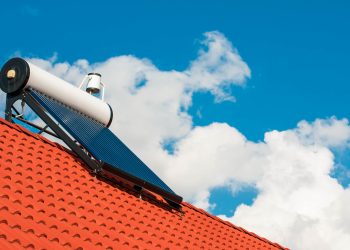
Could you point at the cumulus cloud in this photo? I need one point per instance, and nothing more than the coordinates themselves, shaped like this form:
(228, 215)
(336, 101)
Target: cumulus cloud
(213, 156)
(330, 132)
(217, 66)
(298, 204)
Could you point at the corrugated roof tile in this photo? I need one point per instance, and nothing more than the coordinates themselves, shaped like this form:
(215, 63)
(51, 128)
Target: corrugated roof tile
(48, 200)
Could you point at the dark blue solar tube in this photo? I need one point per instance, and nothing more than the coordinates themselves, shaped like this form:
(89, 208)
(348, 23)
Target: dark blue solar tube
(102, 144)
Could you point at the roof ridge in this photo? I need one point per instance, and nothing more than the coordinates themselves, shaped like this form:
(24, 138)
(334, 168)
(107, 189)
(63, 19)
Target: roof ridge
(127, 188)
(230, 224)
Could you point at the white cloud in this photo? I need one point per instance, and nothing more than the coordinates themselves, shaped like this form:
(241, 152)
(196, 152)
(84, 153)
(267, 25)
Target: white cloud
(298, 204)
(212, 156)
(330, 132)
(217, 66)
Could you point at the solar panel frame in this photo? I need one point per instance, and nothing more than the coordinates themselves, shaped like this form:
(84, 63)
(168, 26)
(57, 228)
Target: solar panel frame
(105, 147)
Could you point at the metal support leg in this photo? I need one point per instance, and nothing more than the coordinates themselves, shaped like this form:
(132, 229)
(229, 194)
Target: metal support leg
(10, 100)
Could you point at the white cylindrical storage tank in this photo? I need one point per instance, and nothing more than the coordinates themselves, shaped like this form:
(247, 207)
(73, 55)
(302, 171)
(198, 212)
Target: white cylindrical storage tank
(18, 74)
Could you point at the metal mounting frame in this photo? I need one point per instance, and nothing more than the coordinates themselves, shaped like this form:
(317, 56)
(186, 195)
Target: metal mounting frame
(26, 97)
(95, 167)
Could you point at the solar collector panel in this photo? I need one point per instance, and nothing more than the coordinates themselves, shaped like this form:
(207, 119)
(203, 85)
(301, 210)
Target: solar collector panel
(102, 143)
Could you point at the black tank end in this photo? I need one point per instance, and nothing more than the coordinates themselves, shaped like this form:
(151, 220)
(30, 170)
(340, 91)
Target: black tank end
(14, 75)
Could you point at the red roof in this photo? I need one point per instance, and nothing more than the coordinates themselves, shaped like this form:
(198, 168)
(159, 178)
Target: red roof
(49, 200)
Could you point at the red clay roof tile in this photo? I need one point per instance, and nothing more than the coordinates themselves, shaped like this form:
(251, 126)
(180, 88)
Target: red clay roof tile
(49, 200)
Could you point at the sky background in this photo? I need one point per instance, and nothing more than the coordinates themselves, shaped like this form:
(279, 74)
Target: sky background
(298, 58)
(298, 52)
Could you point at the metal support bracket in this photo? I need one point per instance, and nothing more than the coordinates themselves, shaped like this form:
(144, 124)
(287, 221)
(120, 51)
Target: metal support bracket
(10, 100)
(25, 96)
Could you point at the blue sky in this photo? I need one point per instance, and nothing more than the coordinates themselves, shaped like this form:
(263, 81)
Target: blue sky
(298, 53)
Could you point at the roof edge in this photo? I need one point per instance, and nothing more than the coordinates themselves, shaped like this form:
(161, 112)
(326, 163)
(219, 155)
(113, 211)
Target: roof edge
(232, 225)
